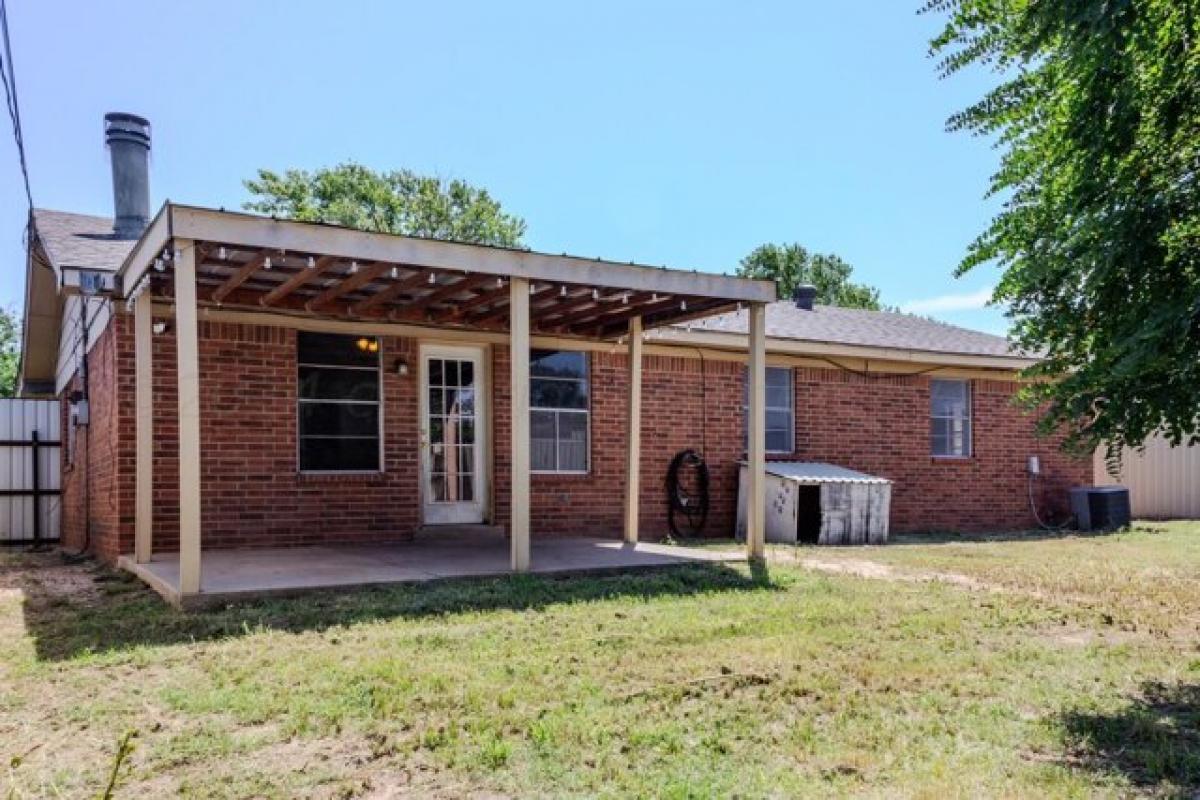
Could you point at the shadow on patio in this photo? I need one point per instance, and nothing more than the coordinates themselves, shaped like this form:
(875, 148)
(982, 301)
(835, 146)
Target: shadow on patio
(72, 610)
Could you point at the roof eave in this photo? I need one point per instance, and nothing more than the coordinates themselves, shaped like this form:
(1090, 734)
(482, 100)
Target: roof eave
(809, 347)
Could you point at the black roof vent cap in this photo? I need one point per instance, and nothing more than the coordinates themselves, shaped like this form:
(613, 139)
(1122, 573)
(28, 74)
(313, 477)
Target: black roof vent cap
(804, 296)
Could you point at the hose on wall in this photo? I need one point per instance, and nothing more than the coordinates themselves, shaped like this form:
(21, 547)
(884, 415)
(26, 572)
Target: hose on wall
(687, 494)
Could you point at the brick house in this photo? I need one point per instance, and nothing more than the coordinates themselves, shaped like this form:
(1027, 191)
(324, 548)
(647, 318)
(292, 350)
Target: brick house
(247, 383)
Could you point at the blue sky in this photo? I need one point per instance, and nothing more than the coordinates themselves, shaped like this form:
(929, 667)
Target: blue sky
(667, 133)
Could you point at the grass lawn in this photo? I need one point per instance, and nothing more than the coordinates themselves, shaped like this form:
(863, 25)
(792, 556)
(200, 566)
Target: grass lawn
(934, 667)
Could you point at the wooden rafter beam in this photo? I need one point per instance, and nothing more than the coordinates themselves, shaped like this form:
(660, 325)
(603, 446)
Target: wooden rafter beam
(502, 309)
(580, 302)
(348, 284)
(601, 307)
(391, 292)
(701, 307)
(297, 280)
(239, 277)
(482, 299)
(443, 293)
(643, 310)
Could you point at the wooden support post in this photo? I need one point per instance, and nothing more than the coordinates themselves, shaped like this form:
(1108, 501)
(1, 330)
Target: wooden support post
(633, 432)
(188, 379)
(518, 303)
(756, 435)
(143, 371)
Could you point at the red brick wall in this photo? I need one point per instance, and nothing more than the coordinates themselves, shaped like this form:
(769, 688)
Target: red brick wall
(253, 495)
(97, 479)
(880, 424)
(675, 395)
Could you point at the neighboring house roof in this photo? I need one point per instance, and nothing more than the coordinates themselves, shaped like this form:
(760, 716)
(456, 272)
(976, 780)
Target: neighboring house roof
(831, 325)
(80, 240)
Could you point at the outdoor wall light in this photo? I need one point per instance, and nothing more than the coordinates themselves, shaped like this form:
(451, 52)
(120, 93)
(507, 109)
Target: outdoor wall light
(159, 327)
(401, 366)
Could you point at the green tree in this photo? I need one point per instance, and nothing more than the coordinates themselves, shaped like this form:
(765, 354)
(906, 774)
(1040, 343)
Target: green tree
(1097, 115)
(791, 265)
(10, 352)
(399, 201)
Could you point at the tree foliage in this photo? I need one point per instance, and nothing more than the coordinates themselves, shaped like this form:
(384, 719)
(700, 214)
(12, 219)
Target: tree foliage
(10, 352)
(399, 201)
(791, 265)
(1097, 115)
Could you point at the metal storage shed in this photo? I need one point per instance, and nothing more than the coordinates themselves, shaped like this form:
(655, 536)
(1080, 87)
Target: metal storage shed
(815, 503)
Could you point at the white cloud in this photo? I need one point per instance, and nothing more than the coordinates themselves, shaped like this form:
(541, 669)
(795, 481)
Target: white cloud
(967, 301)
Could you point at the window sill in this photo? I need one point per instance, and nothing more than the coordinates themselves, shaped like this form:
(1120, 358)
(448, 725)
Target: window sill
(569, 476)
(952, 459)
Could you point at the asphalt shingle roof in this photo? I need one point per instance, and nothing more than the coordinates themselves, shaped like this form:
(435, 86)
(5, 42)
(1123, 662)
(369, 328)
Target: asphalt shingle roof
(80, 240)
(852, 326)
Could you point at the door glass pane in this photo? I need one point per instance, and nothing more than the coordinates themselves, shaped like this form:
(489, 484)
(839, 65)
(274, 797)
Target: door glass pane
(466, 402)
(451, 399)
(451, 425)
(466, 460)
(466, 431)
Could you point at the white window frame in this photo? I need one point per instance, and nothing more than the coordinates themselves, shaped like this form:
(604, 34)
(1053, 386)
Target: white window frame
(587, 412)
(969, 418)
(790, 409)
(300, 401)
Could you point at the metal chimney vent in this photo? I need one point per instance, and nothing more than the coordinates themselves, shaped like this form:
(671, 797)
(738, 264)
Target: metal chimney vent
(128, 140)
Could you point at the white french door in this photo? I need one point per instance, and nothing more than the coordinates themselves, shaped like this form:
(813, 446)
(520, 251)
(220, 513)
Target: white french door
(452, 409)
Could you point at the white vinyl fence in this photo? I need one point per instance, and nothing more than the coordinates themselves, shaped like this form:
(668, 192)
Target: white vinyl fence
(1163, 481)
(30, 507)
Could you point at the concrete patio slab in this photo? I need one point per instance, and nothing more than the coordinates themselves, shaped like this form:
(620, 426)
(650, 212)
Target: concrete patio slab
(231, 575)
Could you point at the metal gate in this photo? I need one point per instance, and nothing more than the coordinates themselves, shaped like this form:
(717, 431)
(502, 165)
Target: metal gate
(30, 448)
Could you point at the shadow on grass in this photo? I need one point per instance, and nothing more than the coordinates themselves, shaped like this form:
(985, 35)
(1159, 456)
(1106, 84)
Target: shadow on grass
(128, 615)
(1153, 742)
(1035, 535)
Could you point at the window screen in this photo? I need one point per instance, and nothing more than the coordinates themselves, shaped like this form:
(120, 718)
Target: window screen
(950, 417)
(558, 400)
(338, 399)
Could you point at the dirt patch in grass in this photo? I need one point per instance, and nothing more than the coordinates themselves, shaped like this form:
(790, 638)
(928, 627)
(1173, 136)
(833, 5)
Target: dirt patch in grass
(52, 578)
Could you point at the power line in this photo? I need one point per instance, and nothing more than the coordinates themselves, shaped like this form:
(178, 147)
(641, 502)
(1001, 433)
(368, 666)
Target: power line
(8, 76)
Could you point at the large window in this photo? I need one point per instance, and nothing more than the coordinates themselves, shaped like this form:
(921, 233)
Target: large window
(338, 402)
(780, 421)
(558, 400)
(950, 418)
